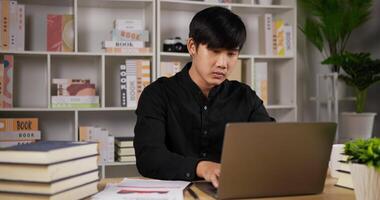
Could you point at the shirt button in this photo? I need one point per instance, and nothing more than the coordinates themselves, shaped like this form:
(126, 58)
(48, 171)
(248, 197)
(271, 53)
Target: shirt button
(204, 154)
(205, 107)
(187, 175)
(204, 132)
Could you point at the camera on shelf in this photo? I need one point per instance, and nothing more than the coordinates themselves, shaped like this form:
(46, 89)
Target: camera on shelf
(175, 45)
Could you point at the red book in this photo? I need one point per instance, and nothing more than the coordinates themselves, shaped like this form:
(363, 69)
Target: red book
(54, 33)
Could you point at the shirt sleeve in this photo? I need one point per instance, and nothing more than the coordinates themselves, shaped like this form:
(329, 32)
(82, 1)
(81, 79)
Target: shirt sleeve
(153, 158)
(258, 113)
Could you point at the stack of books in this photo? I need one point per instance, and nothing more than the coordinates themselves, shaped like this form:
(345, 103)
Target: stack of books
(49, 170)
(275, 36)
(60, 33)
(12, 26)
(6, 81)
(17, 131)
(74, 93)
(344, 174)
(168, 69)
(125, 152)
(134, 77)
(105, 140)
(128, 36)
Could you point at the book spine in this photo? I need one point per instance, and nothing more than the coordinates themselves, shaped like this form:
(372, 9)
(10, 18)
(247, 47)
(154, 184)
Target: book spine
(266, 34)
(130, 35)
(54, 33)
(131, 83)
(280, 37)
(261, 81)
(288, 46)
(127, 50)
(20, 135)
(123, 44)
(20, 43)
(5, 24)
(6, 144)
(18, 124)
(1, 27)
(1, 83)
(75, 105)
(75, 99)
(12, 24)
(128, 24)
(8, 81)
(82, 89)
(123, 86)
(68, 33)
(142, 76)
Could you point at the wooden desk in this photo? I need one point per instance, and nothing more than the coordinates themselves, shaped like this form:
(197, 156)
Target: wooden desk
(330, 192)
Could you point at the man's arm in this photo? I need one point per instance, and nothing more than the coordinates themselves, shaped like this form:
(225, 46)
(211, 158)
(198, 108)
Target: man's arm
(258, 113)
(153, 158)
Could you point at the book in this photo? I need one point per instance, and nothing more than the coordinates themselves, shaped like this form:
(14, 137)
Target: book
(280, 37)
(128, 24)
(142, 76)
(128, 50)
(49, 188)
(126, 158)
(47, 172)
(12, 24)
(266, 34)
(131, 71)
(1, 83)
(123, 86)
(103, 138)
(67, 33)
(130, 35)
(54, 33)
(7, 98)
(168, 69)
(75, 105)
(80, 192)
(125, 151)
(75, 99)
(344, 180)
(288, 40)
(344, 166)
(82, 89)
(5, 24)
(20, 135)
(18, 124)
(20, 43)
(47, 152)
(261, 80)
(123, 44)
(6, 144)
(124, 141)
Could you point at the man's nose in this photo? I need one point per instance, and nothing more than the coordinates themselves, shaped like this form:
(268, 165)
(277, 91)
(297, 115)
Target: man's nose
(222, 61)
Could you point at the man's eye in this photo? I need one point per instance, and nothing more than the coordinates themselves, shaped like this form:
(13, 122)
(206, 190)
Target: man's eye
(232, 53)
(216, 51)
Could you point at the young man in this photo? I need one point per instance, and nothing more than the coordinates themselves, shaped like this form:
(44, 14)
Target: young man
(181, 119)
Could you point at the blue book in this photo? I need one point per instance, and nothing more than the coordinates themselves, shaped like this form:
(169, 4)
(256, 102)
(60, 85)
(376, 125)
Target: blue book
(47, 152)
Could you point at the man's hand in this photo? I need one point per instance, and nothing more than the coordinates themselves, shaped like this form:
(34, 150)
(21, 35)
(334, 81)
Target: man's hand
(210, 171)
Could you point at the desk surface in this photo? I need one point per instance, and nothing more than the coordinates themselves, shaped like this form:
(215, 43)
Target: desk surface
(330, 192)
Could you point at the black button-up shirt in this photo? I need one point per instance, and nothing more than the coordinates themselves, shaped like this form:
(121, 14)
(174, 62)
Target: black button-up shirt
(177, 126)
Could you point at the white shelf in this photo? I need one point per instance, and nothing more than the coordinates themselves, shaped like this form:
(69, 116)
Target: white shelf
(67, 109)
(75, 53)
(332, 99)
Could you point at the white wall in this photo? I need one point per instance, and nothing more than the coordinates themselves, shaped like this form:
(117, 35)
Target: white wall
(366, 39)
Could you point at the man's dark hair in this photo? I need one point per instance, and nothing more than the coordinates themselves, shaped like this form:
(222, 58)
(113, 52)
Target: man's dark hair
(218, 28)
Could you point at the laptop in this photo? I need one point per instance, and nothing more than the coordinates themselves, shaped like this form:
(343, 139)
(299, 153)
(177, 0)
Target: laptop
(273, 159)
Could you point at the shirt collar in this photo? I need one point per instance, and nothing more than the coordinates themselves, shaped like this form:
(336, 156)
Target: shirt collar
(189, 83)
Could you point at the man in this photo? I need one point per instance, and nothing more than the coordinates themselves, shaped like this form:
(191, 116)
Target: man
(181, 119)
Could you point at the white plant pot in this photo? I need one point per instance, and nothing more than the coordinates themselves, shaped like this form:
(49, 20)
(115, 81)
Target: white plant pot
(265, 2)
(355, 125)
(366, 182)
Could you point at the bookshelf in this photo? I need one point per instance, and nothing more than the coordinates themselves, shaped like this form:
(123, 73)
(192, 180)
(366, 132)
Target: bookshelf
(93, 19)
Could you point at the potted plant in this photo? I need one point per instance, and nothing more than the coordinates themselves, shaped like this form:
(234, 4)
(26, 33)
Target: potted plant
(364, 159)
(329, 23)
(360, 73)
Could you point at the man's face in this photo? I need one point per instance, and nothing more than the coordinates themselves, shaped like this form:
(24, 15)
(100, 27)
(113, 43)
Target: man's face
(212, 66)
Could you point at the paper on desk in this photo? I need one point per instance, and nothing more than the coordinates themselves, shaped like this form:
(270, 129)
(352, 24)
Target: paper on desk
(132, 189)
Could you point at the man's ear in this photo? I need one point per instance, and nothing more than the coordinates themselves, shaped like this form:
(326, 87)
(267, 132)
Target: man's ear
(191, 46)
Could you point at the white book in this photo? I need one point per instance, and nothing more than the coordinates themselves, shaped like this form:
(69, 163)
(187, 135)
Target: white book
(75, 99)
(130, 35)
(1, 32)
(288, 43)
(266, 34)
(123, 85)
(5, 144)
(261, 80)
(126, 158)
(128, 24)
(12, 24)
(131, 68)
(20, 135)
(123, 44)
(100, 135)
(125, 151)
(20, 43)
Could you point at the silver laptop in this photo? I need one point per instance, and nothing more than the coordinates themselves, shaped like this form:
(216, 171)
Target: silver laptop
(273, 159)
